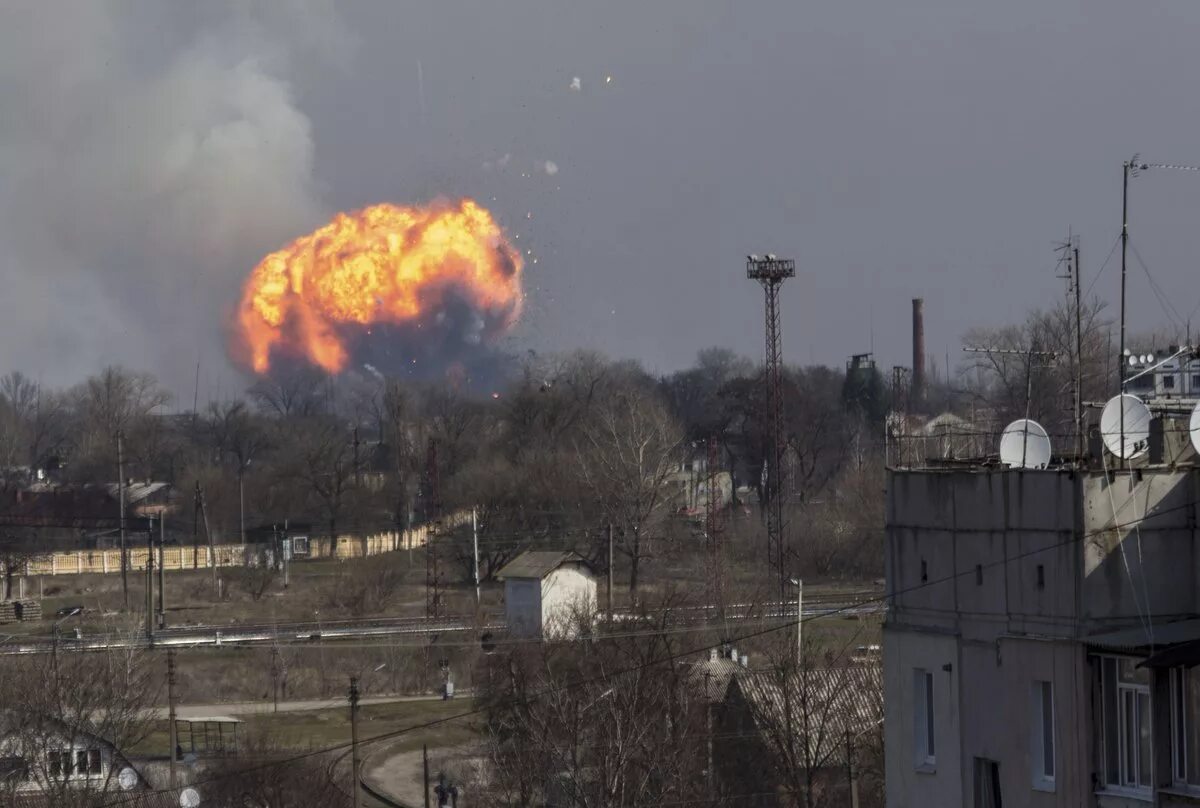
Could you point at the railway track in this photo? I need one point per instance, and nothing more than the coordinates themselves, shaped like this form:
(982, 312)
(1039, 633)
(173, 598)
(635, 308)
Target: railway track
(853, 603)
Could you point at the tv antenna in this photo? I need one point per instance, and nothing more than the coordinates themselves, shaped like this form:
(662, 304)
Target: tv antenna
(1068, 265)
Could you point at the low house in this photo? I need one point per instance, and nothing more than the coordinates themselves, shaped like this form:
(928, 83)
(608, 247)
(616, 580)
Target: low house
(763, 722)
(41, 758)
(546, 592)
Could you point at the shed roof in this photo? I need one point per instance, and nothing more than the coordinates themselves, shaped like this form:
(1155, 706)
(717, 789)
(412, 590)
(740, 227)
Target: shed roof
(838, 700)
(540, 563)
(1147, 637)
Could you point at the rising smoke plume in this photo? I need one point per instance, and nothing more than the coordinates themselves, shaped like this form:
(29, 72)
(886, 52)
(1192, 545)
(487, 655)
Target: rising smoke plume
(145, 161)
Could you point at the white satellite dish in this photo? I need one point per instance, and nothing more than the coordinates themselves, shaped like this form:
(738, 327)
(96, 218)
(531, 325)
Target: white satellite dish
(1194, 428)
(189, 798)
(1136, 427)
(127, 779)
(1025, 444)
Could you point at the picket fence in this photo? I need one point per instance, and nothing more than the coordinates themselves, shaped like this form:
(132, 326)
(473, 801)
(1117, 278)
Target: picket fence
(179, 557)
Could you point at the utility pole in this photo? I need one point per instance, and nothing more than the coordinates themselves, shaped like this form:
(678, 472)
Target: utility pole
(1071, 258)
(1079, 425)
(275, 678)
(162, 576)
(475, 545)
(121, 505)
(771, 271)
(712, 530)
(212, 554)
(356, 785)
(425, 766)
(1129, 165)
(799, 624)
(851, 774)
(171, 700)
(150, 582)
(242, 502)
(195, 528)
(610, 573)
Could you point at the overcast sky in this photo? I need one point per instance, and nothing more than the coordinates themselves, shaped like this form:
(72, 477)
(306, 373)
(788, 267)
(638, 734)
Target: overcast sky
(149, 155)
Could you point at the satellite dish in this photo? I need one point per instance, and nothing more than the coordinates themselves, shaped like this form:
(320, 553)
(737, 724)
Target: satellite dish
(1194, 428)
(189, 798)
(127, 779)
(1025, 444)
(1137, 426)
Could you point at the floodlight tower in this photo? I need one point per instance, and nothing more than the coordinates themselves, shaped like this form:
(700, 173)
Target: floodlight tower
(771, 271)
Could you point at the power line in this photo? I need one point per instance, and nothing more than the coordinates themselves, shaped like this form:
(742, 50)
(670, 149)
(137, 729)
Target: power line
(679, 655)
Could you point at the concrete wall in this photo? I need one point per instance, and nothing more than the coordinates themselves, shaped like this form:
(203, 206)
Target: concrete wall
(909, 785)
(1140, 549)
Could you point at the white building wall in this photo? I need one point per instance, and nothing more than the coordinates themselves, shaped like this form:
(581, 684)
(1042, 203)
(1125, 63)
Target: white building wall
(566, 594)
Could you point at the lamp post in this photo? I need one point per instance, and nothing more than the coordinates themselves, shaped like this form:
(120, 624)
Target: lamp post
(796, 582)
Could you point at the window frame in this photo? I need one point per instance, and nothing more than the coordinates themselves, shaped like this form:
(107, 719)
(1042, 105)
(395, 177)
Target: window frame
(1114, 737)
(1041, 713)
(924, 725)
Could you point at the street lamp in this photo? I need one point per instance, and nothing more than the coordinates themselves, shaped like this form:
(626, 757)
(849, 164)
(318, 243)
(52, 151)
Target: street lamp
(796, 582)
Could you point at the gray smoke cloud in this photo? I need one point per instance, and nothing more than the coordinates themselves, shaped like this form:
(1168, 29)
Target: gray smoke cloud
(146, 163)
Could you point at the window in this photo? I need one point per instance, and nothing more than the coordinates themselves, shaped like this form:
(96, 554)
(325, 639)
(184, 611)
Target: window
(1169, 381)
(1196, 381)
(1185, 727)
(1041, 576)
(60, 763)
(1125, 694)
(925, 749)
(979, 575)
(924, 571)
(1041, 724)
(87, 761)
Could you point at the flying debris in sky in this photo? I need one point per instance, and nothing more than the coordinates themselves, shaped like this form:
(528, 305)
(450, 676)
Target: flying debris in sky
(550, 167)
(577, 84)
(608, 79)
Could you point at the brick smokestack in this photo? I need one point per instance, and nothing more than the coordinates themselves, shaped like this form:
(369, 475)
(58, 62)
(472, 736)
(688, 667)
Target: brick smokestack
(917, 393)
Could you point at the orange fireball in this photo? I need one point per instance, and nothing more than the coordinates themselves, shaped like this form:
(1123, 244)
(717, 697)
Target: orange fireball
(382, 264)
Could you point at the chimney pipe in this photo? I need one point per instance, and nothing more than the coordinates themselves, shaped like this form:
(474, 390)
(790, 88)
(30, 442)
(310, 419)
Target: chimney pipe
(917, 393)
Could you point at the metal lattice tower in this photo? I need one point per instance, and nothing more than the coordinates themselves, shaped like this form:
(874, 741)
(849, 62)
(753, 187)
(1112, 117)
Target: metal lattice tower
(713, 528)
(771, 272)
(433, 512)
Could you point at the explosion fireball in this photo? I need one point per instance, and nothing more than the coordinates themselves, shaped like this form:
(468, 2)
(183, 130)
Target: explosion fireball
(385, 265)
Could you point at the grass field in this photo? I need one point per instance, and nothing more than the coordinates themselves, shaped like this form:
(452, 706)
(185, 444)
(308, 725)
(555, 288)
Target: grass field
(320, 729)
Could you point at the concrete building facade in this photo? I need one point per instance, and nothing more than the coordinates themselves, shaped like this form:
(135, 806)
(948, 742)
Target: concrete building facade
(1042, 637)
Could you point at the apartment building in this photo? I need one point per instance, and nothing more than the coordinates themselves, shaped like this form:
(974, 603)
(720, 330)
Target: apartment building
(1043, 637)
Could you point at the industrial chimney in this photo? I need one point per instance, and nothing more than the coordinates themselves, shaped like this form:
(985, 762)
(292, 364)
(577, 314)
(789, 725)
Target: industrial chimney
(917, 392)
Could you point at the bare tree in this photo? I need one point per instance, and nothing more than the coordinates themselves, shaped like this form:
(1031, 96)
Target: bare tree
(239, 436)
(320, 456)
(68, 711)
(803, 721)
(612, 737)
(626, 452)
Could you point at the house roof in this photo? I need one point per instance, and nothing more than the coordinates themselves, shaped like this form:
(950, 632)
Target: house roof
(831, 702)
(713, 675)
(540, 563)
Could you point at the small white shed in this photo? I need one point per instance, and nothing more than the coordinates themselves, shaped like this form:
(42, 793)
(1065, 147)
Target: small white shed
(546, 591)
